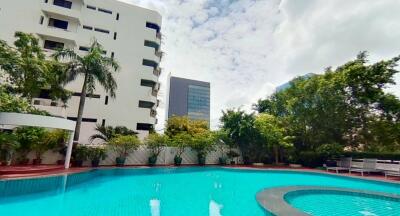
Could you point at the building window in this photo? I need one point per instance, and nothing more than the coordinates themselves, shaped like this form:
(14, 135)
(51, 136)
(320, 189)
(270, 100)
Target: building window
(147, 83)
(146, 104)
(46, 1)
(104, 10)
(63, 3)
(115, 35)
(103, 122)
(117, 16)
(90, 7)
(41, 20)
(87, 27)
(144, 126)
(153, 26)
(106, 101)
(150, 63)
(53, 45)
(82, 48)
(198, 102)
(56, 23)
(83, 119)
(102, 30)
(152, 44)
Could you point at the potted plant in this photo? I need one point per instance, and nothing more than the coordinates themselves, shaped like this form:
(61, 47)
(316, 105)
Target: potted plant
(30, 139)
(8, 145)
(79, 154)
(123, 145)
(96, 154)
(180, 141)
(155, 143)
(232, 155)
(203, 143)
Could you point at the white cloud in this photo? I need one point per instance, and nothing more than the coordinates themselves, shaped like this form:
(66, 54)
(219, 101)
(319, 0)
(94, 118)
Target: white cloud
(247, 47)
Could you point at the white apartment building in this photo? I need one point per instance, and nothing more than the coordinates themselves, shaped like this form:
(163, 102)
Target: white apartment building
(128, 33)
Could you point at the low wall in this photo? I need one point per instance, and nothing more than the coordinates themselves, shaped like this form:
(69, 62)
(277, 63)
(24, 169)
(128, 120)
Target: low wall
(140, 157)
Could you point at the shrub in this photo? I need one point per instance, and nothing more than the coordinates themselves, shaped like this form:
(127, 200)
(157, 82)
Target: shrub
(330, 151)
(311, 159)
(96, 154)
(155, 143)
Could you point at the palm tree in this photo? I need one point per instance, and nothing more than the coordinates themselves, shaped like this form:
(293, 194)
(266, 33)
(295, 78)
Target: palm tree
(95, 68)
(106, 133)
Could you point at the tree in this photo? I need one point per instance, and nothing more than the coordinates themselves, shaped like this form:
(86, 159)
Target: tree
(95, 68)
(178, 124)
(203, 143)
(124, 144)
(155, 143)
(106, 133)
(274, 135)
(28, 71)
(8, 145)
(180, 141)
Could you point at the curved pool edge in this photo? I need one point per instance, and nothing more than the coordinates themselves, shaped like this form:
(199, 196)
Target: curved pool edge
(273, 199)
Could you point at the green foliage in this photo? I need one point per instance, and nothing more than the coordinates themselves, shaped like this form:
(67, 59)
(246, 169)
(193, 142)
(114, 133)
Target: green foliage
(124, 144)
(30, 139)
(347, 106)
(331, 150)
(179, 124)
(12, 103)
(379, 155)
(28, 71)
(180, 141)
(95, 68)
(97, 153)
(203, 143)
(80, 153)
(155, 143)
(8, 145)
(106, 133)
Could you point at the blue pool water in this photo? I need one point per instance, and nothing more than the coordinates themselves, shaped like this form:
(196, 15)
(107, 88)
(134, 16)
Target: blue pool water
(163, 191)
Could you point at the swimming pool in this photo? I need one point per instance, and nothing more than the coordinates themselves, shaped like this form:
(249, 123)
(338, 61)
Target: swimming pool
(165, 191)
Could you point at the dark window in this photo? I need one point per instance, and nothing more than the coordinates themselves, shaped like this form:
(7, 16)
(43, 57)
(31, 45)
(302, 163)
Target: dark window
(78, 94)
(104, 10)
(103, 122)
(144, 126)
(112, 54)
(146, 104)
(53, 45)
(147, 83)
(102, 30)
(117, 16)
(46, 1)
(58, 23)
(44, 94)
(82, 48)
(115, 35)
(91, 7)
(152, 44)
(83, 119)
(153, 26)
(104, 52)
(150, 63)
(106, 100)
(63, 3)
(87, 27)
(41, 20)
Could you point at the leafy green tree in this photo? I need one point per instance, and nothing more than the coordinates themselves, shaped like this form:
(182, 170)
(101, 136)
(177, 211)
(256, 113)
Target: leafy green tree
(203, 143)
(179, 124)
(124, 144)
(106, 133)
(8, 145)
(95, 68)
(155, 143)
(30, 139)
(28, 72)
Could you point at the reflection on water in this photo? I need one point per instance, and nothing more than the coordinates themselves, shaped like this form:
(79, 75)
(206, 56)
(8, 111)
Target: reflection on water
(155, 207)
(215, 208)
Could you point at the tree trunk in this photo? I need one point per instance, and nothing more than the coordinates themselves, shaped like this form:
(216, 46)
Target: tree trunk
(276, 152)
(80, 111)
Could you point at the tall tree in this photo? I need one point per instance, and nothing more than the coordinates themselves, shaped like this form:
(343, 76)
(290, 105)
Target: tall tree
(28, 71)
(95, 68)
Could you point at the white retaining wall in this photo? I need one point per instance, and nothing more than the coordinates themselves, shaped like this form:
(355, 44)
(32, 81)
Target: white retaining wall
(140, 157)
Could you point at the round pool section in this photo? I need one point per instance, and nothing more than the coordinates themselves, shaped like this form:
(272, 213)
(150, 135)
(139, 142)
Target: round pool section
(162, 191)
(321, 202)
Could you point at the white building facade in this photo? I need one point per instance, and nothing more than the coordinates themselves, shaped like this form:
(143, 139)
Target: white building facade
(129, 34)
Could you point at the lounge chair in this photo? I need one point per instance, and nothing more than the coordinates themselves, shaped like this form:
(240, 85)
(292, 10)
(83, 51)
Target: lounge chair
(368, 166)
(392, 173)
(343, 165)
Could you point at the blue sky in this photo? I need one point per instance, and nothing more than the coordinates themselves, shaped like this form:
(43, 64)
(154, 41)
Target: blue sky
(246, 48)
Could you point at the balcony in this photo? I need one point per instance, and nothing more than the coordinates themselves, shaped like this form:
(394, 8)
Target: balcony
(157, 71)
(153, 113)
(66, 13)
(55, 108)
(57, 33)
